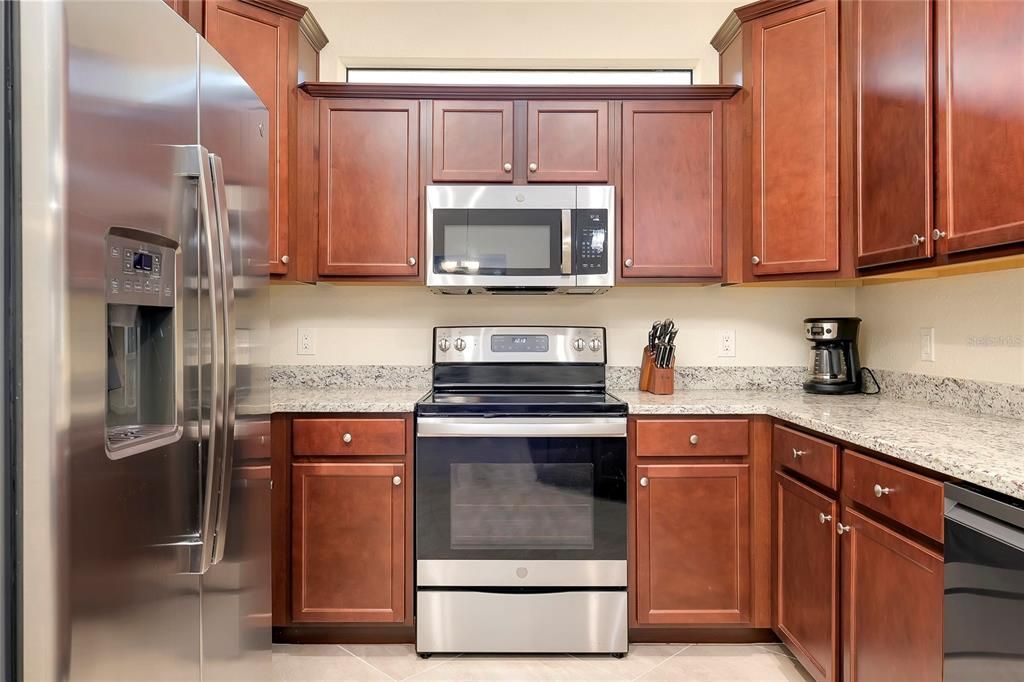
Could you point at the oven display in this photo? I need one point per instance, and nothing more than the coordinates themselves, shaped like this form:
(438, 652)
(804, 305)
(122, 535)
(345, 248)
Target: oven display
(519, 343)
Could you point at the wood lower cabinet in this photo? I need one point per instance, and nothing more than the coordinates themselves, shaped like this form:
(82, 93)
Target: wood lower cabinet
(693, 544)
(671, 189)
(980, 119)
(893, 46)
(807, 575)
(892, 604)
(348, 542)
(567, 141)
(369, 188)
(472, 141)
(795, 156)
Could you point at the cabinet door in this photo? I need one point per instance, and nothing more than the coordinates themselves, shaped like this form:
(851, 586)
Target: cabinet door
(671, 189)
(472, 141)
(693, 544)
(980, 56)
(257, 43)
(567, 141)
(894, 130)
(807, 575)
(189, 10)
(892, 601)
(348, 542)
(369, 187)
(795, 140)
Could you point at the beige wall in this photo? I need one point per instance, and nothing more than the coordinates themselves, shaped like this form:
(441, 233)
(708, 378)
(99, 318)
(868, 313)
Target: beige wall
(392, 325)
(978, 321)
(516, 34)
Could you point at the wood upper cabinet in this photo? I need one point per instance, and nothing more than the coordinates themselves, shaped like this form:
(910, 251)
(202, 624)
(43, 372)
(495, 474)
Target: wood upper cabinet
(795, 156)
(980, 119)
(892, 601)
(472, 141)
(369, 188)
(807, 575)
(189, 10)
(348, 542)
(567, 141)
(671, 189)
(893, 44)
(693, 544)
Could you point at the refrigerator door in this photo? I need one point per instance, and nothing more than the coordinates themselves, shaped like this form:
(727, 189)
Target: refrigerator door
(109, 585)
(233, 127)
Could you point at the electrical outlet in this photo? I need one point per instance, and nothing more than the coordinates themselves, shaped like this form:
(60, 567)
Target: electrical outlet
(727, 343)
(928, 344)
(306, 342)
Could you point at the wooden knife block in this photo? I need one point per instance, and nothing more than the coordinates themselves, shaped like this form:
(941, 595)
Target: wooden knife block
(656, 380)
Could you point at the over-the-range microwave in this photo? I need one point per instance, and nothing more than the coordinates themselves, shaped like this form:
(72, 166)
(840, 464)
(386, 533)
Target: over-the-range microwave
(509, 239)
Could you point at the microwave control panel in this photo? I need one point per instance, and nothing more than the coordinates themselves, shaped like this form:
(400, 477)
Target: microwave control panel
(139, 273)
(591, 230)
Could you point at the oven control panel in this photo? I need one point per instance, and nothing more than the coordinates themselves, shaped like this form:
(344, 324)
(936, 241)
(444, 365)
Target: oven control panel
(562, 345)
(139, 272)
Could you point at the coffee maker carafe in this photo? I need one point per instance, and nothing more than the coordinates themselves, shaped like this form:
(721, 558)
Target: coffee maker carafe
(833, 366)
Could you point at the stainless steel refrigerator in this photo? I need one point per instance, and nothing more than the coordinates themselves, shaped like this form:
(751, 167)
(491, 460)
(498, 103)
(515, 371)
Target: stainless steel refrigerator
(142, 483)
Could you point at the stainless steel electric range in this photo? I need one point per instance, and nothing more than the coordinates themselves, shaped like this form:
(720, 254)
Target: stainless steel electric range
(520, 495)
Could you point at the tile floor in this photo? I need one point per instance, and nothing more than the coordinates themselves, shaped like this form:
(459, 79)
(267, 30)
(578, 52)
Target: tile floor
(689, 662)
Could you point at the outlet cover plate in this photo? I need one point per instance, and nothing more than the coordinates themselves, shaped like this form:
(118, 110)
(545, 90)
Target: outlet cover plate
(727, 343)
(928, 344)
(305, 342)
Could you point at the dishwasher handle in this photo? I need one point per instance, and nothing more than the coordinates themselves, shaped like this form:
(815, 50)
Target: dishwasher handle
(993, 517)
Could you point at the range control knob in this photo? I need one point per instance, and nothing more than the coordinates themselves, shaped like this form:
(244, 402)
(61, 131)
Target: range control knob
(579, 344)
(460, 344)
(595, 345)
(444, 345)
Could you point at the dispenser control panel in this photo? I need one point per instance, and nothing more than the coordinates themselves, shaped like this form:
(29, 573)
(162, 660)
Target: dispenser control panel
(139, 273)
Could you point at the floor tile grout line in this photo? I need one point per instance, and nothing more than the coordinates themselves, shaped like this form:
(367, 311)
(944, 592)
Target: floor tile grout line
(366, 662)
(437, 664)
(667, 659)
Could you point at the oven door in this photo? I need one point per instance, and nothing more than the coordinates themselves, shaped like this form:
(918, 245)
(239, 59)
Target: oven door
(519, 502)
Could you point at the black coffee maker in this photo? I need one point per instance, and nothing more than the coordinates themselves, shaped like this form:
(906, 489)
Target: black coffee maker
(834, 364)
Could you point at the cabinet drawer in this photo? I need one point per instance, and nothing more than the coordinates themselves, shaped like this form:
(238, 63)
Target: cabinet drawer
(691, 437)
(811, 457)
(327, 437)
(907, 498)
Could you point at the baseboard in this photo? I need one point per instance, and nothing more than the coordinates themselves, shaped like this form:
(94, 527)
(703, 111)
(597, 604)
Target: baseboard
(703, 635)
(345, 634)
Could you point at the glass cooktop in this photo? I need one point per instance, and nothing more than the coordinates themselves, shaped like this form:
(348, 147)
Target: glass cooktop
(512, 403)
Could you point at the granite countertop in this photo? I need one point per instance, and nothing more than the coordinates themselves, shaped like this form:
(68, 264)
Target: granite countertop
(982, 449)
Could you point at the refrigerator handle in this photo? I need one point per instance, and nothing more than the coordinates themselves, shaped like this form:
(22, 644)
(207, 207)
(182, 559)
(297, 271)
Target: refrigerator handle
(198, 166)
(227, 284)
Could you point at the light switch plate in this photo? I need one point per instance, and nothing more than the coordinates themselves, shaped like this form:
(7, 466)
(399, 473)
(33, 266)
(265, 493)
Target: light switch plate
(306, 342)
(928, 344)
(727, 343)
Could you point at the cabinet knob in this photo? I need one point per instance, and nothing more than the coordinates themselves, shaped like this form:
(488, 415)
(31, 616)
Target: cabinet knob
(840, 529)
(285, 259)
(397, 480)
(917, 239)
(628, 263)
(938, 234)
(797, 454)
(507, 167)
(412, 261)
(879, 490)
(533, 167)
(824, 518)
(347, 438)
(694, 438)
(755, 260)
(644, 481)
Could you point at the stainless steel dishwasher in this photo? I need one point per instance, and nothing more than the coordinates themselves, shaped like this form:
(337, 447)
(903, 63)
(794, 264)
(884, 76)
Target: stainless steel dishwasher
(984, 585)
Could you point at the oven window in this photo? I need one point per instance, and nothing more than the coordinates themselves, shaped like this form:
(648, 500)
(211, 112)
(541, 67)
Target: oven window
(497, 242)
(527, 506)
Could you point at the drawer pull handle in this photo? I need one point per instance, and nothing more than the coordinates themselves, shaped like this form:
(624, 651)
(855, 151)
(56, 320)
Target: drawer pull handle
(397, 480)
(823, 517)
(694, 439)
(797, 454)
(840, 529)
(879, 490)
(347, 438)
(644, 481)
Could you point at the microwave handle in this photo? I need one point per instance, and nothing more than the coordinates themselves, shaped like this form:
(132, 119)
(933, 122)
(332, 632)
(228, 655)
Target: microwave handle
(566, 242)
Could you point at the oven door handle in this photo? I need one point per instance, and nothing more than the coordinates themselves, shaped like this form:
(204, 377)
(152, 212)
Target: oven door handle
(518, 427)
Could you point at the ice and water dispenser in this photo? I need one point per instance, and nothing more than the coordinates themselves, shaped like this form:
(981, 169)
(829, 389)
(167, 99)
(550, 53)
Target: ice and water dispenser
(143, 344)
